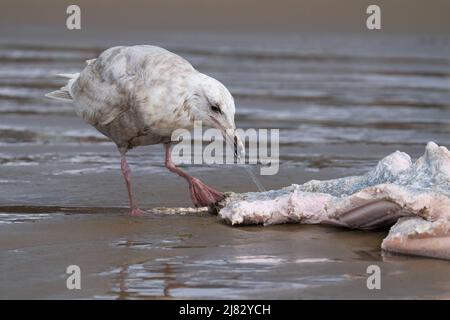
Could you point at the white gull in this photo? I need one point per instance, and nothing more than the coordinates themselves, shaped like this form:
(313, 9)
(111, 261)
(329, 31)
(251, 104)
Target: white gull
(139, 95)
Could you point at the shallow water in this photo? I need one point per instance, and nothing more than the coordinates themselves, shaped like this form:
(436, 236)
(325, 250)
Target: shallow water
(340, 102)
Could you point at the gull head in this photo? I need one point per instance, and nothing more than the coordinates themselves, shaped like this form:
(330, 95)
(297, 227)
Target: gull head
(212, 103)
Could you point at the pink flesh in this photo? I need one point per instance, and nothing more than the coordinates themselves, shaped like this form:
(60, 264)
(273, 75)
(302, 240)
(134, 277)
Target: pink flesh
(434, 246)
(201, 194)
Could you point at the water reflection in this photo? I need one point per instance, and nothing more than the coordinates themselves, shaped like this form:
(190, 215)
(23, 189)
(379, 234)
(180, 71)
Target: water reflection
(199, 276)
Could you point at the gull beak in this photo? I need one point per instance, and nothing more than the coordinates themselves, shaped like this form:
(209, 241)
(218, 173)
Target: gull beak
(239, 150)
(232, 139)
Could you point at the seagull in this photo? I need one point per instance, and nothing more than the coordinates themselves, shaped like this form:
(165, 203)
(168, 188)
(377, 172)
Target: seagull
(139, 95)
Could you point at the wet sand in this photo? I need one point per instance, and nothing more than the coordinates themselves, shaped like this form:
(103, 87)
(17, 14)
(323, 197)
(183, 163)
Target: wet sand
(195, 256)
(341, 104)
(163, 256)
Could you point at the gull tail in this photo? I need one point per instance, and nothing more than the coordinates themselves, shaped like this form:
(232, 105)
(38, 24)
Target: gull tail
(64, 94)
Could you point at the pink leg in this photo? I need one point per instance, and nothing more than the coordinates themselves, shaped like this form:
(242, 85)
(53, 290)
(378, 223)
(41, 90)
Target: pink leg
(134, 209)
(201, 194)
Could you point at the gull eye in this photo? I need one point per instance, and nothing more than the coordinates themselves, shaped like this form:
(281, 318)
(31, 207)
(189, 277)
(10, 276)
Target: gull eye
(216, 109)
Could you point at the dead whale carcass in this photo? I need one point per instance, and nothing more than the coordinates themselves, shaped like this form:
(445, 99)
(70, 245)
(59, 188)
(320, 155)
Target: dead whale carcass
(413, 196)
